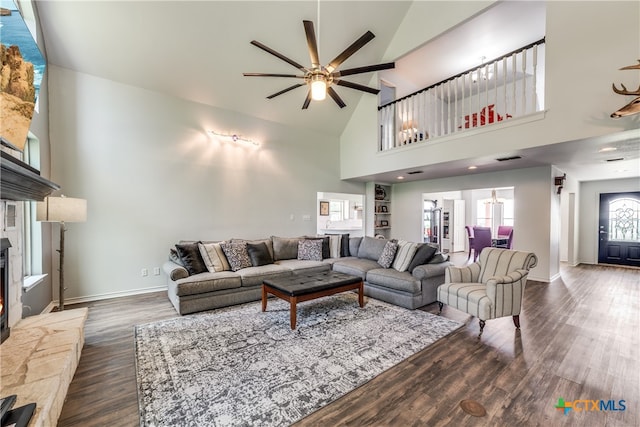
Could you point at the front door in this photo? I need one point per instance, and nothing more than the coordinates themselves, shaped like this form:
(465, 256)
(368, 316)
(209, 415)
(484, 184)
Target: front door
(619, 229)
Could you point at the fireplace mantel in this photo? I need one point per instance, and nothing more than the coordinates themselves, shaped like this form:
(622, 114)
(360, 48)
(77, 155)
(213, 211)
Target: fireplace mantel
(21, 182)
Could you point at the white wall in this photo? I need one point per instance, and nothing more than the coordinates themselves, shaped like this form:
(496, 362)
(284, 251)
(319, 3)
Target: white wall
(589, 212)
(586, 44)
(152, 176)
(532, 194)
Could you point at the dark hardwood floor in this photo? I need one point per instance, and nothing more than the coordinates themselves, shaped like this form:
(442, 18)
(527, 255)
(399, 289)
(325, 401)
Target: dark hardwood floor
(579, 340)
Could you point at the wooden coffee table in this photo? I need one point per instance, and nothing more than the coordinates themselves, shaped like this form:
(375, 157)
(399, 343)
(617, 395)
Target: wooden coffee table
(305, 287)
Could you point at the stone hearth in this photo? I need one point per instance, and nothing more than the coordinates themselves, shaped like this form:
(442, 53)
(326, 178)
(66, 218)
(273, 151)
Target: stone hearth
(39, 359)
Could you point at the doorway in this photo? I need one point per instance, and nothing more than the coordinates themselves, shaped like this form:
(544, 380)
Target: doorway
(619, 229)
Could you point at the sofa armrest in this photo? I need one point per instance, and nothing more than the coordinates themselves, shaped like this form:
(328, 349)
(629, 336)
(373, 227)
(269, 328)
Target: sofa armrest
(506, 293)
(426, 271)
(512, 277)
(174, 271)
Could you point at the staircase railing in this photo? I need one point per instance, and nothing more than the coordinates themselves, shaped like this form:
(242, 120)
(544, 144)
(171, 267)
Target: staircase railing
(504, 88)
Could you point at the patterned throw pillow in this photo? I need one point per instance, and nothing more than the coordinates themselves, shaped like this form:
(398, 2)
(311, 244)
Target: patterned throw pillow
(404, 255)
(237, 255)
(310, 250)
(388, 254)
(214, 258)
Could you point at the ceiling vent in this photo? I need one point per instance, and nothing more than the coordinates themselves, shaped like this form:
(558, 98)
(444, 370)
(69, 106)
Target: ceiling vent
(506, 159)
(616, 159)
(414, 172)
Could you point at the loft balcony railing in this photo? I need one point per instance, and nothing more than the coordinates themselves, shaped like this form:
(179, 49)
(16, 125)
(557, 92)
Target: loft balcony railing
(507, 87)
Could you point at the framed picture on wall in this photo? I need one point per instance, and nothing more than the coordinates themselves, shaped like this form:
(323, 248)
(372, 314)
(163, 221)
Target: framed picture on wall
(384, 223)
(324, 208)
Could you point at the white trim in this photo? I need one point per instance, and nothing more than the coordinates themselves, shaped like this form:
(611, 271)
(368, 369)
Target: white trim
(29, 282)
(90, 298)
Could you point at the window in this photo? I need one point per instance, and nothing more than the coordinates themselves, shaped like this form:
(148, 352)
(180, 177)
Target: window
(624, 220)
(32, 257)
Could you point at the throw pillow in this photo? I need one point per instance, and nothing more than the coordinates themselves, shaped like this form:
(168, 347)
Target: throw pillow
(174, 257)
(326, 251)
(388, 254)
(344, 244)
(371, 248)
(404, 255)
(189, 254)
(334, 245)
(214, 257)
(237, 255)
(285, 247)
(422, 256)
(259, 254)
(310, 249)
(354, 245)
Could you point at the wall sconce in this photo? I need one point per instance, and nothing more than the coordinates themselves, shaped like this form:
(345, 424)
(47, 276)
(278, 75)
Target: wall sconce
(234, 138)
(559, 182)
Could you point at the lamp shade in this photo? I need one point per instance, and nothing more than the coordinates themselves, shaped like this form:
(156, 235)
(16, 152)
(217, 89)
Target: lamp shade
(61, 209)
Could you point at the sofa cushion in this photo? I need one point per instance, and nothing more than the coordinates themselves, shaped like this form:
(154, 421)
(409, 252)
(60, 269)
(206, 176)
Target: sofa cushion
(214, 257)
(237, 255)
(355, 266)
(423, 255)
(326, 253)
(371, 248)
(438, 258)
(354, 245)
(259, 254)
(388, 254)
(310, 250)
(189, 254)
(404, 255)
(207, 282)
(253, 276)
(394, 279)
(285, 247)
(304, 267)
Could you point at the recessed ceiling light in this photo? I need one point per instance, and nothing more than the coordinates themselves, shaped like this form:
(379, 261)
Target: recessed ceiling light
(401, 177)
(472, 167)
(605, 149)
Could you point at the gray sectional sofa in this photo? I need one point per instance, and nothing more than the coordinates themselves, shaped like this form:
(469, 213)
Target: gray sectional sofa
(192, 289)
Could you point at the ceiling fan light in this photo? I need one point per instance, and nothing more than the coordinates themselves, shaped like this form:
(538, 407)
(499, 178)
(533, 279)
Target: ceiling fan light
(318, 88)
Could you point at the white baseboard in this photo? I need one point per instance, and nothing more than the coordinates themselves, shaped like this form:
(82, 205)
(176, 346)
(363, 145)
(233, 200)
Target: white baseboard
(109, 295)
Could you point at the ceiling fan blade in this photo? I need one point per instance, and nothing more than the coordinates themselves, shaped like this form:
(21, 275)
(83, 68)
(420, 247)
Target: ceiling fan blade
(332, 93)
(307, 101)
(271, 75)
(356, 86)
(311, 43)
(364, 39)
(285, 90)
(278, 55)
(365, 69)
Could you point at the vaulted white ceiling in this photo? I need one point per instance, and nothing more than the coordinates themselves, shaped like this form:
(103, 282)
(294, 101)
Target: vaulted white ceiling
(198, 50)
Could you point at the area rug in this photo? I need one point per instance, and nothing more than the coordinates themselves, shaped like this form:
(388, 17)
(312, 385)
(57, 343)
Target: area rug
(239, 366)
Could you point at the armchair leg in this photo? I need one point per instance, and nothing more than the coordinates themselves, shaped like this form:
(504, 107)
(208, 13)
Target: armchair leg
(481, 327)
(516, 321)
(440, 305)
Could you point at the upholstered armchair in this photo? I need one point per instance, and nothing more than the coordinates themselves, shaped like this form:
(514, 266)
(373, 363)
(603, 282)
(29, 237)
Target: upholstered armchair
(490, 288)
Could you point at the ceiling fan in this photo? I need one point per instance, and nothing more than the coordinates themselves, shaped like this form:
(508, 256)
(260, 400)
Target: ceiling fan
(320, 78)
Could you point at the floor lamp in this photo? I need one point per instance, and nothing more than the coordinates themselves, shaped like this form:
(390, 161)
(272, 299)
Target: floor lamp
(61, 209)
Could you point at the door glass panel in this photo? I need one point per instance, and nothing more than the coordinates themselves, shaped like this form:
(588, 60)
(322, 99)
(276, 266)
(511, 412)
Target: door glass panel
(624, 220)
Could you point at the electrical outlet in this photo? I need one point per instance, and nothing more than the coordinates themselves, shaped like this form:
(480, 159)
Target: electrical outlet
(156, 271)
(144, 272)
(306, 217)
